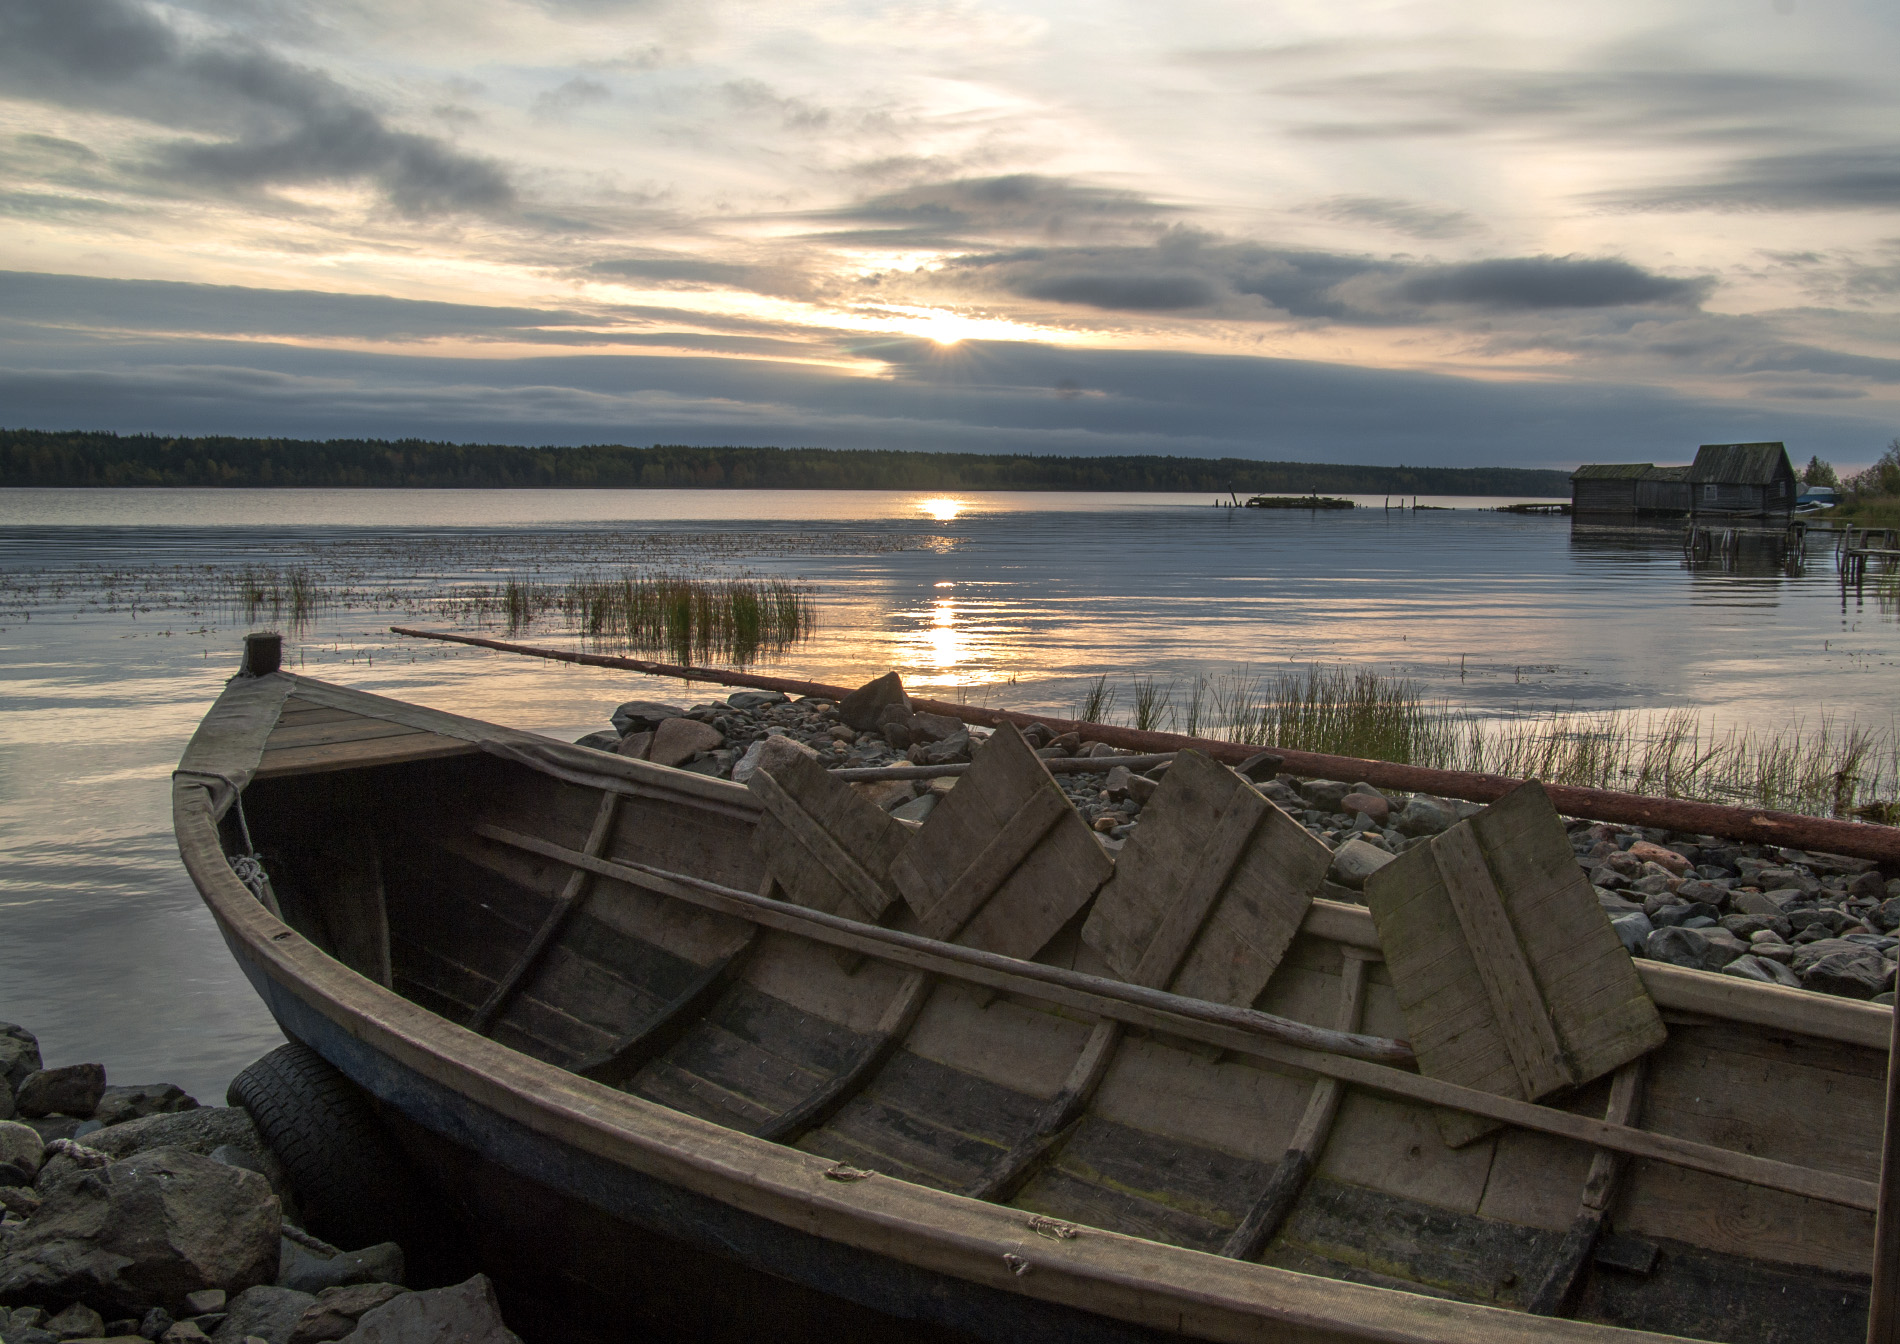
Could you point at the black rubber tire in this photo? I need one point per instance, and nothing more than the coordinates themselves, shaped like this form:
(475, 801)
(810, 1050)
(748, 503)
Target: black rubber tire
(354, 1187)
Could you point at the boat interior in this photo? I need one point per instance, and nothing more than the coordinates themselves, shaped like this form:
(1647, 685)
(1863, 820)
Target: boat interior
(451, 876)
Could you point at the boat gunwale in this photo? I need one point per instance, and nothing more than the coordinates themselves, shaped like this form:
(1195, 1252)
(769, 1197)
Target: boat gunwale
(1099, 1272)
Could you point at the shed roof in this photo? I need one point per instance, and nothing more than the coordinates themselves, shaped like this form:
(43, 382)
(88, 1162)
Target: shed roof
(1668, 474)
(1613, 471)
(1739, 463)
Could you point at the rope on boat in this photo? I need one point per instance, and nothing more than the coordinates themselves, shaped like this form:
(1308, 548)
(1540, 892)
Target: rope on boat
(248, 867)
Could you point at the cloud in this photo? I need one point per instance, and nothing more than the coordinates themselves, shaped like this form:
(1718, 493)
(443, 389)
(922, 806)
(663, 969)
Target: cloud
(570, 96)
(1019, 205)
(1805, 392)
(1656, 95)
(1848, 178)
(1550, 282)
(253, 120)
(672, 270)
(1185, 269)
(91, 303)
(1121, 293)
(1406, 217)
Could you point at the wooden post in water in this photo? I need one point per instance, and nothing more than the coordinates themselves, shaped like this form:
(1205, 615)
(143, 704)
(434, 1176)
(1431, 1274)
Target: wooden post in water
(263, 654)
(1883, 1304)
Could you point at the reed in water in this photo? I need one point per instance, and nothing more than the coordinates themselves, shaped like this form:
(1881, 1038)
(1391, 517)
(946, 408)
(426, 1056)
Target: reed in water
(1822, 767)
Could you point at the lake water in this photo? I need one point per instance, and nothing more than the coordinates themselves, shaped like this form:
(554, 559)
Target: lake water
(114, 638)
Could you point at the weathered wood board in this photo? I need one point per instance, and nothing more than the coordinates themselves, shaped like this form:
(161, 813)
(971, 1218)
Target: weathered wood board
(1509, 976)
(1003, 861)
(1209, 890)
(826, 846)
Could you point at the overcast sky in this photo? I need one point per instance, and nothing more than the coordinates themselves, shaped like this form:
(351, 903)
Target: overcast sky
(1361, 230)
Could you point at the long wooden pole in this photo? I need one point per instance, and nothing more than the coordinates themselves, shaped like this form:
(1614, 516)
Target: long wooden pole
(1883, 1305)
(1759, 825)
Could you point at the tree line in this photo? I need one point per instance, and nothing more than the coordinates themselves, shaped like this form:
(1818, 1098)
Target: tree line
(78, 458)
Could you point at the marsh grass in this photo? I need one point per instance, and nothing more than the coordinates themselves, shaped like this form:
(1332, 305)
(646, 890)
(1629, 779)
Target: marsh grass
(294, 595)
(1097, 702)
(689, 618)
(1822, 767)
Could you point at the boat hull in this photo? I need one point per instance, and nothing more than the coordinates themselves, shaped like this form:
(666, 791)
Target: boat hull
(601, 1208)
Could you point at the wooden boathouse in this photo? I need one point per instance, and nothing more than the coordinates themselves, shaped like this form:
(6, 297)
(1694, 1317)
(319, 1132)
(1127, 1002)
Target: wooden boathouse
(1743, 480)
(1731, 481)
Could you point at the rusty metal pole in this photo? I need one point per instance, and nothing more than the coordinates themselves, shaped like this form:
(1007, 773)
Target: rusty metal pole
(1883, 1305)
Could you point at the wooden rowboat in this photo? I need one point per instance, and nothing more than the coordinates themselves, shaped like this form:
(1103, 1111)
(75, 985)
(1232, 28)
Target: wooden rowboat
(758, 1056)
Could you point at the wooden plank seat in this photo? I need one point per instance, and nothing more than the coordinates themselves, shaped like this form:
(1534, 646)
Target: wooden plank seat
(1510, 979)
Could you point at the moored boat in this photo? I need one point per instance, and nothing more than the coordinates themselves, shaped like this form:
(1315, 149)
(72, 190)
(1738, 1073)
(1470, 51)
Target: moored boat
(666, 1039)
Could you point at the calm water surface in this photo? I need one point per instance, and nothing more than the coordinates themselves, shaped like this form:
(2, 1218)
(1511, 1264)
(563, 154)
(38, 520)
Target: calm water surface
(111, 647)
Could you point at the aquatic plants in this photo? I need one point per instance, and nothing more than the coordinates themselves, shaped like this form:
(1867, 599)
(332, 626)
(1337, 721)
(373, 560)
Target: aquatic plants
(1823, 767)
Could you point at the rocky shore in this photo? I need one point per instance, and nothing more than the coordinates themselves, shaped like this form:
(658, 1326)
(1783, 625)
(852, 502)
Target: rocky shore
(132, 1213)
(1822, 922)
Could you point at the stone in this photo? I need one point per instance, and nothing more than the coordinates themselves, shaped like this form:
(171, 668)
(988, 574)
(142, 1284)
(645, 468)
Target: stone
(1847, 970)
(885, 793)
(916, 809)
(634, 746)
(1886, 915)
(677, 741)
(1325, 794)
(602, 741)
(19, 1055)
(200, 1131)
(138, 1100)
(146, 1230)
(639, 716)
(1776, 878)
(1762, 970)
(54, 1126)
(1614, 905)
(264, 1312)
(1645, 852)
(1867, 886)
(1754, 903)
(184, 1332)
(308, 1272)
(861, 708)
(21, 1145)
(767, 754)
(1699, 889)
(1372, 805)
(1633, 930)
(73, 1089)
(205, 1300)
(1833, 921)
(948, 751)
(78, 1321)
(1682, 913)
(838, 732)
(464, 1314)
(1707, 949)
(1355, 861)
(933, 727)
(1066, 743)
(756, 699)
(1426, 816)
(335, 1312)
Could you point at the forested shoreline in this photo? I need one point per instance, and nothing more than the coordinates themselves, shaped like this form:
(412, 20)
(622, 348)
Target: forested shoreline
(79, 458)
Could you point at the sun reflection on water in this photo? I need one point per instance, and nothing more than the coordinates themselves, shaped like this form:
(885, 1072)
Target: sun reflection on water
(943, 510)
